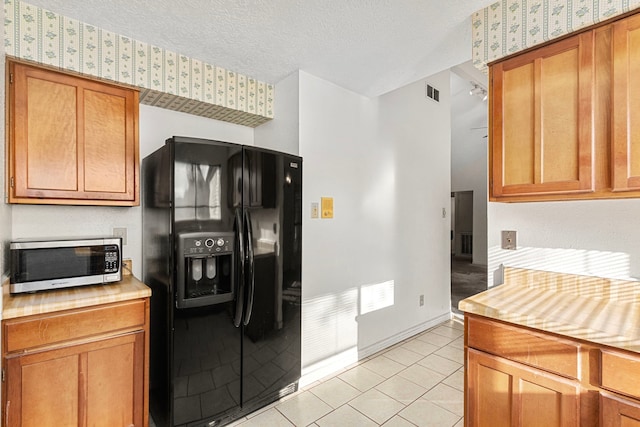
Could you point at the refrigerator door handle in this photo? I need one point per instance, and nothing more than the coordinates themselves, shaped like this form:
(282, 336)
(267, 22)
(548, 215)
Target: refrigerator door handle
(249, 308)
(239, 282)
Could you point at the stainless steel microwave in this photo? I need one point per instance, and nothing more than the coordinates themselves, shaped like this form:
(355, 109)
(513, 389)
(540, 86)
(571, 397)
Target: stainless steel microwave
(51, 264)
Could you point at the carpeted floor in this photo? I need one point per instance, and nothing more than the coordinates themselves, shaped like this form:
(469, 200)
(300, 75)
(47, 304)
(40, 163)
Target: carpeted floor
(466, 279)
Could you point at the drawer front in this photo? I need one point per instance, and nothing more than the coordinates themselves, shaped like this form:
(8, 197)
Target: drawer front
(521, 345)
(619, 372)
(42, 330)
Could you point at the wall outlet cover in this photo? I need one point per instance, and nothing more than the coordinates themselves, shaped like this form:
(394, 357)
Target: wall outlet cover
(509, 240)
(121, 232)
(127, 267)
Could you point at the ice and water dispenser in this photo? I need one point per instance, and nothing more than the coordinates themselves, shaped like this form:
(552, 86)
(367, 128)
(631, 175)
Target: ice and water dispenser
(205, 268)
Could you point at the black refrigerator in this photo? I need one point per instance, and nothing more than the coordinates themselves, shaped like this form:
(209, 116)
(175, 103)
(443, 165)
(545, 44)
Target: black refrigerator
(222, 254)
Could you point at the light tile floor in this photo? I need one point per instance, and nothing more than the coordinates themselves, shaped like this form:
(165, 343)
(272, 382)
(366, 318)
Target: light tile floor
(418, 382)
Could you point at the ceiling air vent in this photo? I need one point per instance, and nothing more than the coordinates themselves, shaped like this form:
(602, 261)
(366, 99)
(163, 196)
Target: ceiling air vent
(433, 93)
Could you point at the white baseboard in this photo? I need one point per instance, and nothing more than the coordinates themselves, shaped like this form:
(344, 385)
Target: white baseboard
(328, 366)
(345, 359)
(401, 336)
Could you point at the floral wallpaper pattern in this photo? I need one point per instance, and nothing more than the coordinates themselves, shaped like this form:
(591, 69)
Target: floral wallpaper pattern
(509, 26)
(166, 79)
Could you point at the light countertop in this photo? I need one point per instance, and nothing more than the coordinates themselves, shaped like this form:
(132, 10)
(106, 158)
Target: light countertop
(597, 310)
(63, 299)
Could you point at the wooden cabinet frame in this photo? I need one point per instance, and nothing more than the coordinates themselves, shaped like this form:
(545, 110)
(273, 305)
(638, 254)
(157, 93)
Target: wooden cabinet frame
(584, 44)
(505, 393)
(515, 375)
(626, 105)
(618, 412)
(84, 367)
(71, 139)
(608, 120)
(93, 395)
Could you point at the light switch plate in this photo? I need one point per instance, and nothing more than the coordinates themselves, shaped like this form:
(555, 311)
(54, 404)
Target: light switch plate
(509, 239)
(315, 209)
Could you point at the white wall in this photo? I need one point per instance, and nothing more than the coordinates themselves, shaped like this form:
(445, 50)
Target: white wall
(469, 164)
(335, 142)
(385, 162)
(419, 130)
(283, 133)
(598, 237)
(156, 125)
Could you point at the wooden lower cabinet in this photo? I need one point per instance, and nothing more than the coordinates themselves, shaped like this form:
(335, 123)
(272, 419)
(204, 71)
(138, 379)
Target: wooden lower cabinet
(505, 393)
(616, 411)
(94, 381)
(518, 376)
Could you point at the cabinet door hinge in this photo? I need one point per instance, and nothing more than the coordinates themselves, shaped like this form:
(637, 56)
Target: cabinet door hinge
(11, 183)
(2, 374)
(10, 78)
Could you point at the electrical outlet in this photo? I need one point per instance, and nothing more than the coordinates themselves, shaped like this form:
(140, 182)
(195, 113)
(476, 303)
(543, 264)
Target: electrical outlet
(315, 210)
(509, 240)
(127, 267)
(421, 300)
(120, 232)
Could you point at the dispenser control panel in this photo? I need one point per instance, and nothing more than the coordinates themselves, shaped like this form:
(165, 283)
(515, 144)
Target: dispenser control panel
(207, 244)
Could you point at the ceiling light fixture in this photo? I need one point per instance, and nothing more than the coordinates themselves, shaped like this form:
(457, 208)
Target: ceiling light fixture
(479, 91)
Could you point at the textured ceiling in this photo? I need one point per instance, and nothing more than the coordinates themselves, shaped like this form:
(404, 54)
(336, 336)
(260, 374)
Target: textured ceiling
(367, 46)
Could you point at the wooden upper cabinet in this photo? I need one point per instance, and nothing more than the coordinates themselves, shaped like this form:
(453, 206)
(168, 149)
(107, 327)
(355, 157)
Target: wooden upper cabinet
(626, 105)
(541, 112)
(72, 140)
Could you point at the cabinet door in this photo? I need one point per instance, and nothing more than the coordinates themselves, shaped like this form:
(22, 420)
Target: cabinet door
(504, 393)
(618, 412)
(43, 390)
(541, 120)
(626, 104)
(115, 382)
(96, 384)
(72, 139)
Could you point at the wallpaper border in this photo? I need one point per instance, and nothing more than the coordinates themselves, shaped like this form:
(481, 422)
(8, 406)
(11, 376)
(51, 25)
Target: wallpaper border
(510, 26)
(166, 79)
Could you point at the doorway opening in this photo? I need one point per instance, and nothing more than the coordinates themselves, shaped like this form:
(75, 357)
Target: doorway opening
(467, 278)
(469, 172)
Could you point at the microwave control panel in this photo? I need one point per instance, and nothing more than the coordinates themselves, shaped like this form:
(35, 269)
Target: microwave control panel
(111, 259)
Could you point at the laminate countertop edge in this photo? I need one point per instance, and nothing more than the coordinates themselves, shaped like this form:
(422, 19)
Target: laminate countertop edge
(592, 318)
(42, 302)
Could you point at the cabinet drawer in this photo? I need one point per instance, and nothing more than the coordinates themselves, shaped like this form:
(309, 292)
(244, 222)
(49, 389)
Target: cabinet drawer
(521, 345)
(620, 372)
(37, 331)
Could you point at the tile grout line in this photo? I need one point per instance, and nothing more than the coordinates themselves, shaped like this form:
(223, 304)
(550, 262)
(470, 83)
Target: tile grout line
(453, 335)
